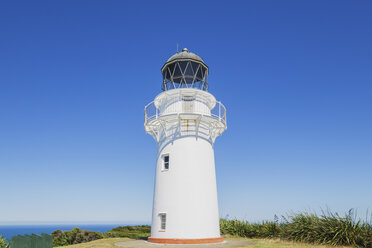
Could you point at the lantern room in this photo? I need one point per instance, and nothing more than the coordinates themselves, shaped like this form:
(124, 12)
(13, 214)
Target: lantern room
(185, 70)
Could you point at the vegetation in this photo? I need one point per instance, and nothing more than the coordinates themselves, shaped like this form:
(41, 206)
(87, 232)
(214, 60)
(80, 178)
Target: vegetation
(3, 242)
(77, 236)
(258, 243)
(297, 230)
(133, 232)
(277, 243)
(101, 243)
(328, 229)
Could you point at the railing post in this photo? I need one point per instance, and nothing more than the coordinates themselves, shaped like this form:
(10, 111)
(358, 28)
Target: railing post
(219, 111)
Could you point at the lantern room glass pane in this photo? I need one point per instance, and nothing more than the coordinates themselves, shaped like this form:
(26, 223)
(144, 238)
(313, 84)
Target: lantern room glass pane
(184, 74)
(177, 72)
(188, 71)
(194, 66)
(199, 74)
(182, 65)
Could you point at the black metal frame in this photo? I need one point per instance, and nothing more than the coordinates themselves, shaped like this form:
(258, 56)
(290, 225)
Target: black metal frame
(185, 73)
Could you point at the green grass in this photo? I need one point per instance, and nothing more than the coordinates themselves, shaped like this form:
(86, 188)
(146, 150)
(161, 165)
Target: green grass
(259, 243)
(277, 243)
(305, 229)
(101, 243)
(327, 229)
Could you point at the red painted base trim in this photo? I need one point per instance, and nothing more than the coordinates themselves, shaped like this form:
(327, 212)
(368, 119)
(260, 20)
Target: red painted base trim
(185, 241)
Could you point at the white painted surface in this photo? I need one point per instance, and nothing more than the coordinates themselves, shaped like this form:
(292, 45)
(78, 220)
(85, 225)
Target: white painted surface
(186, 192)
(170, 102)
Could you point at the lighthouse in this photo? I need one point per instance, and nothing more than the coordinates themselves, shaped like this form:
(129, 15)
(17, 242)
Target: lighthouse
(185, 120)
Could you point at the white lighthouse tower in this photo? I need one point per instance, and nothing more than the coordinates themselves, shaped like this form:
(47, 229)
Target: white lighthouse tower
(185, 119)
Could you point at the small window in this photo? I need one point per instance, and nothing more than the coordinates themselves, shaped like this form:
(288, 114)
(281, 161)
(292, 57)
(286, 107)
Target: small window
(188, 104)
(166, 162)
(188, 98)
(163, 221)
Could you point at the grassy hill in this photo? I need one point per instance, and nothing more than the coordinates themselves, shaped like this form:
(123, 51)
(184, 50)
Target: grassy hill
(325, 229)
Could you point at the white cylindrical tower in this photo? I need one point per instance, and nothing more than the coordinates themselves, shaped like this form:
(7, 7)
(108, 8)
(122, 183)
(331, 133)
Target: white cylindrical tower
(185, 120)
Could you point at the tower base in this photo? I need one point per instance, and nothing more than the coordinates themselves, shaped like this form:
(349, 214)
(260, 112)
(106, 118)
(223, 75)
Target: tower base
(185, 241)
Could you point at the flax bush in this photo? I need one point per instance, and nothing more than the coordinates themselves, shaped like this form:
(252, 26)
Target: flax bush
(327, 228)
(3, 242)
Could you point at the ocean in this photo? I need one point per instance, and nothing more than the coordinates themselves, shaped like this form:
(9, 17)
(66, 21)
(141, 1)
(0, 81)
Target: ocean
(8, 231)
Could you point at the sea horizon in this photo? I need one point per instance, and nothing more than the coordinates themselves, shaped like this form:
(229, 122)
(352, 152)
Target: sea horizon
(71, 223)
(9, 230)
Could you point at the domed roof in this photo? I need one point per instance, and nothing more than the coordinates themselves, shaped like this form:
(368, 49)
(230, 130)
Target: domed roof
(185, 54)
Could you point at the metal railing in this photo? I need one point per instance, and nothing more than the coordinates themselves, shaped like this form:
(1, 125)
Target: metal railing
(219, 111)
(152, 112)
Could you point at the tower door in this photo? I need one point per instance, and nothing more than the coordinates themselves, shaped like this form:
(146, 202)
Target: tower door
(188, 104)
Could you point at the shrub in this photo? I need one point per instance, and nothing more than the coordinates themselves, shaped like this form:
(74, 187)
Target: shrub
(3, 242)
(75, 236)
(328, 228)
(133, 232)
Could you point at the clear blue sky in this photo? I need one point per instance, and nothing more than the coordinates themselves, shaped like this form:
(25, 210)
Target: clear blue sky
(295, 76)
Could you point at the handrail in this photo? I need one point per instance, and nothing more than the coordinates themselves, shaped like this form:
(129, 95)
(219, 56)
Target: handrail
(218, 112)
